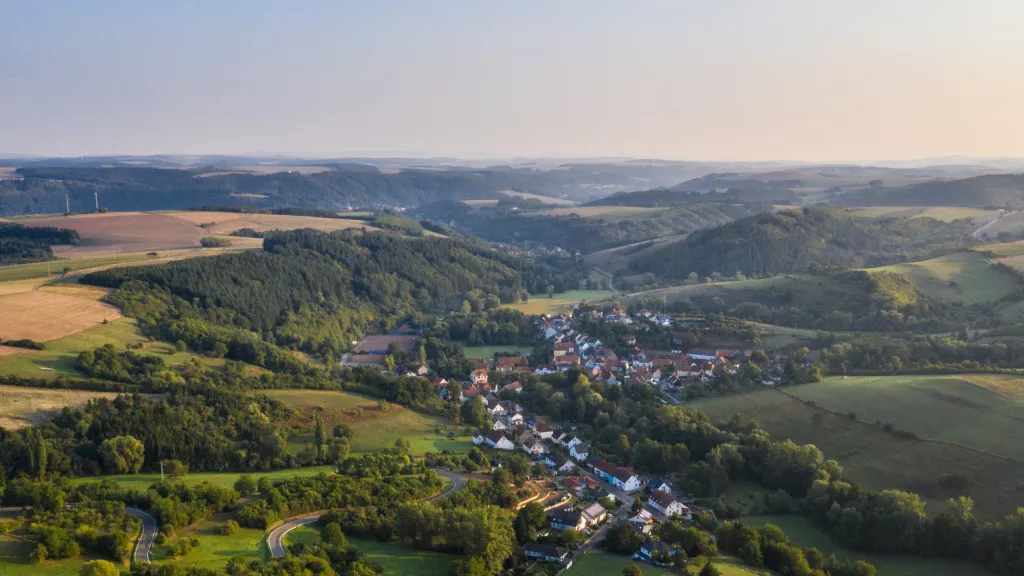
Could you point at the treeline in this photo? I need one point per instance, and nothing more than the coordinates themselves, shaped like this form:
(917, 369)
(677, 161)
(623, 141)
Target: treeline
(21, 244)
(506, 223)
(791, 241)
(317, 292)
(769, 547)
(665, 197)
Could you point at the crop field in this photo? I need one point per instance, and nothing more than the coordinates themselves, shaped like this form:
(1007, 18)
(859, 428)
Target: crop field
(393, 559)
(372, 429)
(20, 407)
(876, 458)
(544, 199)
(943, 213)
(964, 277)
(265, 222)
(488, 352)
(481, 202)
(603, 212)
(60, 354)
(802, 532)
(44, 316)
(541, 304)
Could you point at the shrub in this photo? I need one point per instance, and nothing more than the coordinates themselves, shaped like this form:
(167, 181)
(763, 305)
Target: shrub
(228, 528)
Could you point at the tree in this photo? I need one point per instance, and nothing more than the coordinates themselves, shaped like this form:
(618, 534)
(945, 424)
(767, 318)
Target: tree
(389, 363)
(245, 485)
(175, 468)
(529, 519)
(180, 346)
(632, 570)
(122, 455)
(333, 536)
(98, 568)
(421, 354)
(709, 569)
(265, 485)
(320, 433)
(474, 412)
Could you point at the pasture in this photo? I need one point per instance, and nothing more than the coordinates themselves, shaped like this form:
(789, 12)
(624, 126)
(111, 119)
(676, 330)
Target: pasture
(60, 354)
(541, 304)
(488, 352)
(215, 550)
(372, 428)
(393, 559)
(14, 561)
(876, 458)
(964, 277)
(804, 533)
(20, 407)
(45, 315)
(16, 272)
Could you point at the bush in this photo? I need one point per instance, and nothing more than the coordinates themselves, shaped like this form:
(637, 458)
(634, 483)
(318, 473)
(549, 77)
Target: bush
(98, 568)
(955, 481)
(213, 242)
(228, 528)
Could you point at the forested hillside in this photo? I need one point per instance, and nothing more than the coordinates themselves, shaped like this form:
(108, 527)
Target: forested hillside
(317, 291)
(681, 196)
(792, 241)
(20, 244)
(990, 191)
(508, 223)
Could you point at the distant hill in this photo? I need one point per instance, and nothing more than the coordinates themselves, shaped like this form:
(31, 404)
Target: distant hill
(989, 191)
(676, 196)
(791, 241)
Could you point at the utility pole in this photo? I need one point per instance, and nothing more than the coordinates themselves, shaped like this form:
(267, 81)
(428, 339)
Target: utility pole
(96, 195)
(161, 470)
(67, 203)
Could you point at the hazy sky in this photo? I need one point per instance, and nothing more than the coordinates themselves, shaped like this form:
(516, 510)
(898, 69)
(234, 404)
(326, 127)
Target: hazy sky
(714, 79)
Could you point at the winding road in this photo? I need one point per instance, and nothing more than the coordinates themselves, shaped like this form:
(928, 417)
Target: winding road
(146, 537)
(275, 540)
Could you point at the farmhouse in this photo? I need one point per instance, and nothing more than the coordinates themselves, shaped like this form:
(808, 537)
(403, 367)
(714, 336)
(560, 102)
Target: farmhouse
(496, 439)
(667, 504)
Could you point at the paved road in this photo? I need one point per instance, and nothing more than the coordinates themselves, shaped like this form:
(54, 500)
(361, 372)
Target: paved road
(275, 540)
(622, 513)
(145, 543)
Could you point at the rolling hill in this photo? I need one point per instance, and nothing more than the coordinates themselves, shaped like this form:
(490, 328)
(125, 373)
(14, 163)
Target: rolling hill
(988, 191)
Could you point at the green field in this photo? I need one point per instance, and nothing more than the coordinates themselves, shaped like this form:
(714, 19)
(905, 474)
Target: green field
(541, 304)
(602, 212)
(876, 458)
(804, 533)
(14, 561)
(964, 277)
(488, 352)
(215, 550)
(60, 354)
(222, 479)
(393, 559)
(39, 269)
(601, 564)
(372, 430)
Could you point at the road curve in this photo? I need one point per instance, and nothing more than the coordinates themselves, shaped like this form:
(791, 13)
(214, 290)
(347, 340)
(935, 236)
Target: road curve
(275, 540)
(146, 537)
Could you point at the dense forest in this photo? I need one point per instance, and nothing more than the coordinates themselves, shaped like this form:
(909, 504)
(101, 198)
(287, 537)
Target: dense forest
(793, 241)
(20, 244)
(989, 191)
(507, 223)
(318, 292)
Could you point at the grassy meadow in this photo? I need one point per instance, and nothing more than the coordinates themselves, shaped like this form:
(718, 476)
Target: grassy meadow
(601, 564)
(488, 352)
(964, 277)
(215, 550)
(372, 429)
(221, 479)
(541, 304)
(393, 559)
(39, 269)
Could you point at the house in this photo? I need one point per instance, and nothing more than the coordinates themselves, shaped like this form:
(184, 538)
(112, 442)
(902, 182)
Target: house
(533, 445)
(579, 451)
(622, 478)
(557, 436)
(542, 428)
(643, 522)
(567, 361)
(712, 353)
(479, 376)
(496, 439)
(655, 551)
(498, 423)
(507, 364)
(543, 370)
(546, 553)
(478, 439)
(515, 419)
(566, 519)
(656, 484)
(513, 387)
(667, 504)
(563, 348)
(512, 407)
(570, 441)
(495, 407)
(594, 514)
(559, 463)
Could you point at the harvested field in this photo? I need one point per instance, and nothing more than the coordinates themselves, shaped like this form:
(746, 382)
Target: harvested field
(9, 350)
(603, 212)
(104, 234)
(544, 199)
(20, 407)
(43, 316)
(19, 286)
(265, 222)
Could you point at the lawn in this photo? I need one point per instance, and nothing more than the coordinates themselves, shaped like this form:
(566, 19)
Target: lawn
(39, 269)
(215, 550)
(878, 459)
(60, 354)
(804, 533)
(222, 479)
(601, 564)
(964, 277)
(372, 429)
(488, 352)
(393, 559)
(541, 304)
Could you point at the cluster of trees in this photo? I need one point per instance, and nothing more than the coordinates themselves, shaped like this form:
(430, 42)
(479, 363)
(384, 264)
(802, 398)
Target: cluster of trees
(20, 244)
(109, 363)
(923, 354)
(507, 223)
(777, 192)
(770, 548)
(791, 241)
(484, 533)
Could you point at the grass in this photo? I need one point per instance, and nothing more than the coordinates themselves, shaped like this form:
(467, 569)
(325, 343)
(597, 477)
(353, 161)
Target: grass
(60, 354)
(964, 277)
(878, 459)
(221, 479)
(603, 212)
(21, 406)
(393, 559)
(372, 429)
(541, 304)
(804, 533)
(488, 352)
(943, 213)
(601, 564)
(14, 561)
(544, 199)
(39, 269)
(215, 550)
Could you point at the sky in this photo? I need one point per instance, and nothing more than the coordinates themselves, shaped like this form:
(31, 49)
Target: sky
(835, 80)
